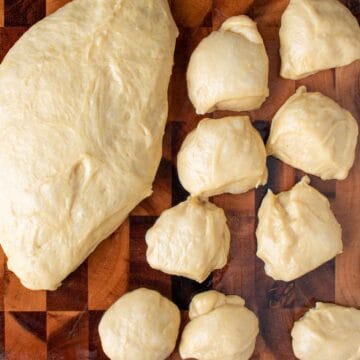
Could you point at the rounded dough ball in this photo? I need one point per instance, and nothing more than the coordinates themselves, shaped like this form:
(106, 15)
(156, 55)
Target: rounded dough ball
(222, 155)
(229, 69)
(313, 133)
(297, 232)
(221, 327)
(329, 37)
(327, 332)
(191, 239)
(141, 325)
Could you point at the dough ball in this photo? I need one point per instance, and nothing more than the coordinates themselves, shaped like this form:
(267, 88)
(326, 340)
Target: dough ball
(229, 69)
(221, 327)
(141, 325)
(297, 232)
(83, 108)
(223, 155)
(316, 35)
(327, 332)
(191, 239)
(313, 133)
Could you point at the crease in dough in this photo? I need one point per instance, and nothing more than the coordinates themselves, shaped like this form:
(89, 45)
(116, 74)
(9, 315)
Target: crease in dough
(220, 327)
(222, 156)
(191, 239)
(297, 232)
(229, 69)
(313, 133)
(327, 331)
(317, 35)
(81, 129)
(141, 325)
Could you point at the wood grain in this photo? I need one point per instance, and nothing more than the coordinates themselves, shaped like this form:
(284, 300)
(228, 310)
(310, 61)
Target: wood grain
(189, 13)
(63, 324)
(1, 13)
(108, 282)
(67, 335)
(238, 277)
(95, 350)
(23, 12)
(18, 298)
(53, 5)
(2, 280)
(274, 341)
(140, 271)
(25, 335)
(160, 200)
(2, 334)
(347, 204)
(72, 294)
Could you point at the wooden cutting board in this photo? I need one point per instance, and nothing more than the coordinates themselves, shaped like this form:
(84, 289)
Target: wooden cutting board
(63, 324)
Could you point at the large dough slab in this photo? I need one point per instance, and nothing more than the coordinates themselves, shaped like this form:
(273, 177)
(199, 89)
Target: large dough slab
(83, 105)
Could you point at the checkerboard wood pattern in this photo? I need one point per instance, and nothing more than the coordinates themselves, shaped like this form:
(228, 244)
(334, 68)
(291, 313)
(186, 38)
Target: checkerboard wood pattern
(63, 324)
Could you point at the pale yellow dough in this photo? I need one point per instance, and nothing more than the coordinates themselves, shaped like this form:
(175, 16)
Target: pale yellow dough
(141, 325)
(191, 239)
(222, 156)
(297, 232)
(313, 133)
(221, 327)
(83, 106)
(327, 332)
(229, 68)
(316, 35)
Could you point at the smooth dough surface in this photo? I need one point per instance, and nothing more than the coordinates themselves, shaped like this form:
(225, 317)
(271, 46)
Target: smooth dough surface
(229, 68)
(141, 325)
(83, 107)
(222, 156)
(191, 239)
(297, 232)
(326, 332)
(221, 327)
(316, 35)
(313, 133)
